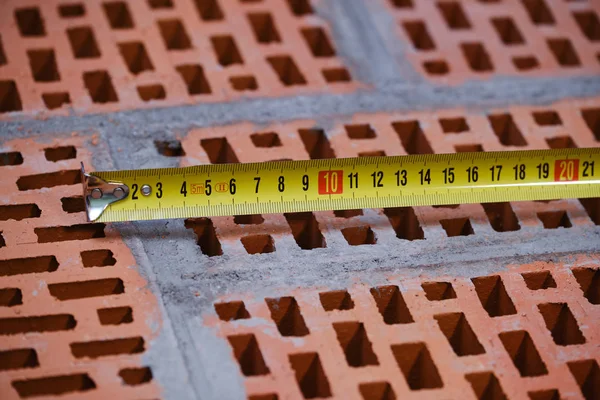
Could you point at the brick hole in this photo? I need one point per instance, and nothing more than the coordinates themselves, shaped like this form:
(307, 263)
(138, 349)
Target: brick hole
(43, 323)
(232, 311)
(71, 10)
(136, 57)
(30, 22)
(56, 100)
(587, 375)
(30, 265)
(454, 125)
(3, 59)
(2, 241)
(194, 78)
(73, 204)
(243, 82)
(268, 396)
(418, 367)
(547, 118)
(48, 180)
(377, 391)
(361, 131)
(347, 213)
(525, 63)
(355, 343)
(10, 297)
(589, 282)
(486, 386)
(459, 333)
(419, 35)
(468, 148)
(554, 219)
(264, 28)
(226, 50)
(54, 385)
(206, 236)
(74, 232)
(286, 70)
(43, 65)
(151, 92)
(538, 11)
(19, 212)
(506, 130)
(286, 314)
(336, 300)
(589, 24)
(539, 280)
(436, 67)
(592, 207)
(258, 244)
(550, 394)
(17, 359)
(136, 376)
(266, 139)
(524, 354)
(10, 100)
(391, 305)
(310, 375)
(305, 229)
(97, 258)
(251, 219)
(374, 153)
(174, 34)
(508, 32)
(84, 289)
(402, 3)
(317, 144)
(561, 142)
(115, 315)
(437, 291)
(493, 295)
(564, 52)
(100, 87)
(160, 3)
(83, 42)
(219, 151)
(457, 227)
(169, 148)
(405, 223)
(209, 10)
(451, 206)
(501, 216)
(60, 153)
(477, 57)
(111, 347)
(334, 75)
(300, 7)
(591, 116)
(561, 323)
(318, 42)
(412, 137)
(359, 235)
(454, 15)
(118, 15)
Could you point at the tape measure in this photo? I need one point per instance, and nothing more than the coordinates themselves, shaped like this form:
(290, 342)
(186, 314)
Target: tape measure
(341, 184)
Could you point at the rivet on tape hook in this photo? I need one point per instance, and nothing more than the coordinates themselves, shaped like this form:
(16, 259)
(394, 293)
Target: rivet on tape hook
(99, 194)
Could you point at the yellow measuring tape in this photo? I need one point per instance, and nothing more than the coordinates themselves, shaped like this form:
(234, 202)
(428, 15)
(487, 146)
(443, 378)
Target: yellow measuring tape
(340, 184)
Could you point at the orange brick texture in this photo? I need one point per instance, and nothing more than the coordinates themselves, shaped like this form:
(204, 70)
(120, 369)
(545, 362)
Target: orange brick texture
(75, 317)
(528, 332)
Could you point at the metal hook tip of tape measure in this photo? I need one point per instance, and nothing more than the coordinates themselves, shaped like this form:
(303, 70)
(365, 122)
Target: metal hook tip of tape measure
(99, 194)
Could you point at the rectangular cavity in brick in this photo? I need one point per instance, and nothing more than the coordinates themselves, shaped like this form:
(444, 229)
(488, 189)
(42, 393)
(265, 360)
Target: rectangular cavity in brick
(391, 305)
(589, 24)
(561, 142)
(115, 315)
(118, 15)
(546, 118)
(19, 212)
(10, 297)
(524, 354)
(206, 236)
(459, 333)
(3, 59)
(50, 179)
(405, 223)
(486, 386)
(538, 11)
(194, 78)
(454, 15)
(209, 10)
(508, 32)
(286, 69)
(73, 204)
(419, 35)
(549, 394)
(592, 207)
(83, 42)
(360, 131)
(591, 116)
(243, 82)
(564, 52)
(336, 300)
(247, 353)
(31, 265)
(151, 92)
(318, 42)
(502, 217)
(2, 241)
(231, 311)
(264, 28)
(226, 50)
(97, 258)
(136, 376)
(136, 57)
(10, 100)
(74, 232)
(305, 229)
(169, 148)
(359, 235)
(316, 143)
(56, 100)
(300, 7)
(100, 87)
(493, 296)
(555, 219)
(30, 22)
(266, 139)
(417, 366)
(587, 375)
(454, 125)
(286, 314)
(377, 391)
(310, 375)
(60, 153)
(589, 282)
(468, 148)
(539, 280)
(219, 151)
(412, 137)
(71, 10)
(174, 34)
(506, 130)
(85, 289)
(54, 385)
(437, 291)
(258, 244)
(355, 343)
(250, 219)
(436, 67)
(110, 347)
(337, 74)
(457, 227)
(477, 57)
(18, 358)
(10, 158)
(561, 323)
(42, 323)
(43, 65)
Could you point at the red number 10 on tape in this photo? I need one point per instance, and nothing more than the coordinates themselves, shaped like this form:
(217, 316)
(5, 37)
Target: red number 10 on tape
(331, 182)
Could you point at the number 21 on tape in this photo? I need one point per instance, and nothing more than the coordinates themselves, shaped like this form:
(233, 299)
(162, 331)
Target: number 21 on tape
(331, 182)
(566, 170)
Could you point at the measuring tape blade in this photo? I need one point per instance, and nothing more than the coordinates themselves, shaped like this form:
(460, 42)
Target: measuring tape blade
(341, 184)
